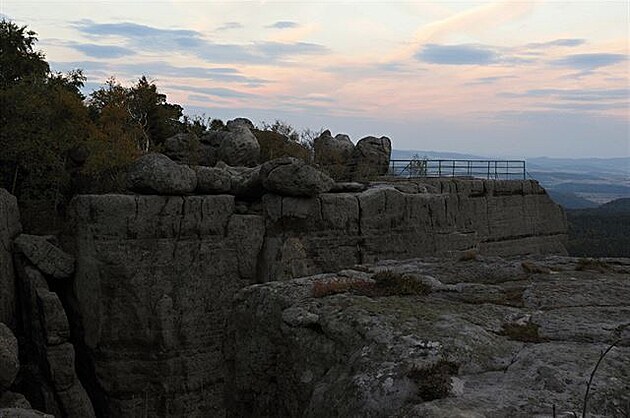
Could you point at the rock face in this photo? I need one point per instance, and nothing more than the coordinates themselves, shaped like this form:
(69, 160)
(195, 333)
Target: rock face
(155, 275)
(334, 154)
(292, 177)
(152, 288)
(213, 180)
(485, 337)
(10, 227)
(156, 173)
(241, 123)
(47, 257)
(370, 157)
(9, 364)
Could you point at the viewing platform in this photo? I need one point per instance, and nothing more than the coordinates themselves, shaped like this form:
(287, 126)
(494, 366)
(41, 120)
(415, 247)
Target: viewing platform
(487, 169)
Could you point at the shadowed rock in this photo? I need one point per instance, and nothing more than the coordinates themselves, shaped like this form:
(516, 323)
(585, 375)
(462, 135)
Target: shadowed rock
(48, 258)
(292, 177)
(158, 174)
(9, 364)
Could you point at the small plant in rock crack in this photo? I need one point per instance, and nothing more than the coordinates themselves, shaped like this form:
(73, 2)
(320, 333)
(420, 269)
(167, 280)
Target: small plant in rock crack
(593, 264)
(323, 288)
(434, 382)
(624, 410)
(389, 283)
(527, 333)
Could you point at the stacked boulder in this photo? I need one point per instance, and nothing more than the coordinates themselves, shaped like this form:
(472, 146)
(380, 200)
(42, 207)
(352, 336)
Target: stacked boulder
(344, 161)
(48, 375)
(235, 145)
(287, 176)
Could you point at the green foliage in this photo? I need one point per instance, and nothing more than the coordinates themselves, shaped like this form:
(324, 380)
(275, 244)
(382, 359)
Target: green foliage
(18, 60)
(142, 110)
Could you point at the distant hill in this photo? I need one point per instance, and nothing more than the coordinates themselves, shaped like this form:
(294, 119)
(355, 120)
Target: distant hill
(571, 200)
(616, 206)
(600, 232)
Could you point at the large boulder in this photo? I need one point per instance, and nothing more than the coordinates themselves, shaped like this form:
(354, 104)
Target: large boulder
(292, 177)
(9, 363)
(241, 123)
(186, 148)
(334, 154)
(371, 156)
(9, 228)
(213, 180)
(48, 258)
(158, 174)
(238, 147)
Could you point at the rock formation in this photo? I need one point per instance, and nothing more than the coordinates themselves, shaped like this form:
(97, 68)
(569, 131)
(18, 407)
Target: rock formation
(155, 275)
(10, 227)
(483, 337)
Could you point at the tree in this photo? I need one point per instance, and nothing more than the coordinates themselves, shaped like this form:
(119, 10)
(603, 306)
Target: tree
(43, 117)
(145, 113)
(18, 60)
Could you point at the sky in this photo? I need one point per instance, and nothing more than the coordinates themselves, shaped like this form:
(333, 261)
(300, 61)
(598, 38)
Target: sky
(493, 78)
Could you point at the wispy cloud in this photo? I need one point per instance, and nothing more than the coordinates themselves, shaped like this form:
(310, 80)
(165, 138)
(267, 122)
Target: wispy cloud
(574, 94)
(215, 91)
(103, 51)
(565, 42)
(142, 38)
(457, 55)
(283, 24)
(590, 61)
(229, 26)
(490, 80)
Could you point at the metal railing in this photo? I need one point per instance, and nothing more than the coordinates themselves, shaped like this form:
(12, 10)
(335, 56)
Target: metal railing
(488, 169)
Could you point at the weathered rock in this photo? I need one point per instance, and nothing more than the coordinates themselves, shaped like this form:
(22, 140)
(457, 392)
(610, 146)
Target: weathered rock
(240, 123)
(52, 316)
(348, 187)
(158, 174)
(292, 177)
(245, 182)
(14, 400)
(318, 346)
(213, 180)
(50, 259)
(370, 157)
(60, 360)
(75, 402)
(334, 154)
(153, 288)
(239, 147)
(10, 227)
(22, 413)
(186, 148)
(9, 363)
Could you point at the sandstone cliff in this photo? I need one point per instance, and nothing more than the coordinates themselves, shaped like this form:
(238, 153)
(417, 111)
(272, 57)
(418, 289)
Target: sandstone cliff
(155, 275)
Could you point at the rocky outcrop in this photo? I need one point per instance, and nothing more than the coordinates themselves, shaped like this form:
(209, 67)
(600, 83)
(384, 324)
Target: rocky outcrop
(155, 275)
(334, 154)
(240, 123)
(46, 256)
(154, 281)
(9, 363)
(434, 338)
(292, 177)
(48, 376)
(156, 173)
(10, 227)
(213, 180)
(370, 157)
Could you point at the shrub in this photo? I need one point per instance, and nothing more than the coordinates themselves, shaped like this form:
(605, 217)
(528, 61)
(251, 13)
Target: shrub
(593, 264)
(389, 283)
(434, 382)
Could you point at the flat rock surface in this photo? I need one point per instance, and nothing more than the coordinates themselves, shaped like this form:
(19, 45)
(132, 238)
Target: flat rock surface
(47, 257)
(487, 337)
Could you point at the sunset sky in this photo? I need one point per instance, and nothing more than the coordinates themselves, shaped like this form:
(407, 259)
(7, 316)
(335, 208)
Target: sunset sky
(504, 78)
